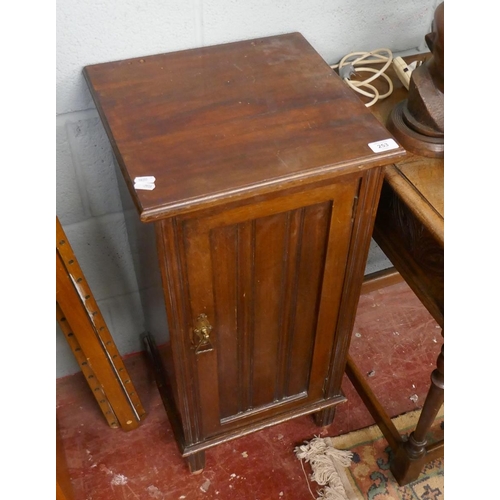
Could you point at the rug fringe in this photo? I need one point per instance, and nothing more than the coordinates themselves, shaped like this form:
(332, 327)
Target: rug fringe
(326, 462)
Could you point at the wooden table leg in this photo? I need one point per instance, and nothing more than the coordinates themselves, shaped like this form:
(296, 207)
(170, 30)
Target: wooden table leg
(413, 453)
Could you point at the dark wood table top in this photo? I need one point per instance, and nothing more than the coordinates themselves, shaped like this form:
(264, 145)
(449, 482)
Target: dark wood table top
(232, 121)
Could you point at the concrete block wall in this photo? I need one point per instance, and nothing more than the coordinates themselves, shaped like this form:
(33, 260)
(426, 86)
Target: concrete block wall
(88, 202)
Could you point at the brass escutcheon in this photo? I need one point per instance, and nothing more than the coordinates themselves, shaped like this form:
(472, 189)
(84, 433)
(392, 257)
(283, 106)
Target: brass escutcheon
(202, 329)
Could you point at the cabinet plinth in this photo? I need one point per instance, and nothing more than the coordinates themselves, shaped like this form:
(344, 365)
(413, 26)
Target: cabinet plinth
(263, 208)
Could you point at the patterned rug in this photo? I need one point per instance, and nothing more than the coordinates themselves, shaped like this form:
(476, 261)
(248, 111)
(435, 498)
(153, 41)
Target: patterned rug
(368, 477)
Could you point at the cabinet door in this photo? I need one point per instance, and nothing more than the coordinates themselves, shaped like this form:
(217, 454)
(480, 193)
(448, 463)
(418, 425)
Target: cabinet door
(261, 289)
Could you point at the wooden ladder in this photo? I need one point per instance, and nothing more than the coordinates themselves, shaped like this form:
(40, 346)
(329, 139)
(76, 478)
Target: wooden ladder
(91, 342)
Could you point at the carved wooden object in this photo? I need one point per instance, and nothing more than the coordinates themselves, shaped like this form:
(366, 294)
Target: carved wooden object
(265, 196)
(418, 121)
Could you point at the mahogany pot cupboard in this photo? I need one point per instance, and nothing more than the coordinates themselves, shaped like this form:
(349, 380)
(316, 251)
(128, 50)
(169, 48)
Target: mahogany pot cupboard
(254, 175)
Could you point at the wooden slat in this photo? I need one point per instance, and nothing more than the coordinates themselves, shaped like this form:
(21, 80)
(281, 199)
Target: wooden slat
(382, 419)
(435, 450)
(381, 279)
(93, 382)
(91, 340)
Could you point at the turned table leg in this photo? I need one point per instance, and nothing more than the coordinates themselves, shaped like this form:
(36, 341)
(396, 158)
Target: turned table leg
(411, 455)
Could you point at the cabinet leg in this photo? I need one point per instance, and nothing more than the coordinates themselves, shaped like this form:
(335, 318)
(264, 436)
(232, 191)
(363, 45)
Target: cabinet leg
(325, 417)
(410, 456)
(196, 462)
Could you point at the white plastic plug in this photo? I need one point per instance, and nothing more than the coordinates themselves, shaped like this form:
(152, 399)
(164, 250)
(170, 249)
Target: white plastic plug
(403, 71)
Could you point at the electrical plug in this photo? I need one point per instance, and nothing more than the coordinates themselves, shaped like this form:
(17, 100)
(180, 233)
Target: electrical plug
(403, 71)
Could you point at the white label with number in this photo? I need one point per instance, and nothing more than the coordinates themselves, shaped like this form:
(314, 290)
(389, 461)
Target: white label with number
(146, 186)
(145, 179)
(385, 145)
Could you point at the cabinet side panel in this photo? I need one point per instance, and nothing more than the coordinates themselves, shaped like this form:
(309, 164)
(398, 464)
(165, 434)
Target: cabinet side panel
(142, 243)
(181, 369)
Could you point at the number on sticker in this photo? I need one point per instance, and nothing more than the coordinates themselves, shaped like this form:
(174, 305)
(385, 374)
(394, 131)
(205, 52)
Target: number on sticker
(384, 145)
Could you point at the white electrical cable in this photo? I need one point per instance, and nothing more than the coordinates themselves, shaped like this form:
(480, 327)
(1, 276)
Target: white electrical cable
(350, 66)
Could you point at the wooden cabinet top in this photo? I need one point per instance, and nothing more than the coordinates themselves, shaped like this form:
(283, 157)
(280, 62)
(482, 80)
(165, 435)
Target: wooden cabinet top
(231, 121)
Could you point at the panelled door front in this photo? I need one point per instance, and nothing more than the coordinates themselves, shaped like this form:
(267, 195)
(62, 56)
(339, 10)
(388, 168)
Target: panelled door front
(264, 286)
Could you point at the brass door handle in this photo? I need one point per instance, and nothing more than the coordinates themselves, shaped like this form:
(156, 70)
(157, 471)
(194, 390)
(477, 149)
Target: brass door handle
(202, 329)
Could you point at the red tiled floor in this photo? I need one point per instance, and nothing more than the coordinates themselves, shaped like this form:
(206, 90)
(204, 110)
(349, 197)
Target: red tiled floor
(395, 340)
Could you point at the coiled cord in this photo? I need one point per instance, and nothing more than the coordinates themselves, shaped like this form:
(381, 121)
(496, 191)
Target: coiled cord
(350, 64)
